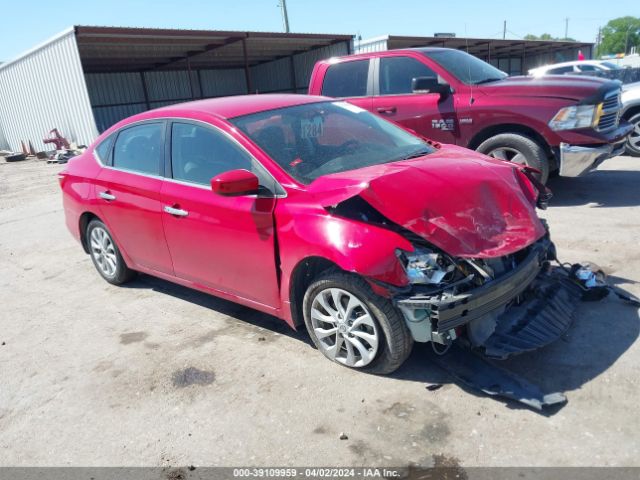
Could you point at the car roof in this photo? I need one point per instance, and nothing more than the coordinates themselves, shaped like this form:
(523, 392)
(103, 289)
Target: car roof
(239, 105)
(386, 52)
(567, 64)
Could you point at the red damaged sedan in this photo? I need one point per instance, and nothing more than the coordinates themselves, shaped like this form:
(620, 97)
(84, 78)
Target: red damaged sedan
(319, 212)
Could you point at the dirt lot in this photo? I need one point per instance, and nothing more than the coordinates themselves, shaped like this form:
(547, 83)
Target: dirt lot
(155, 374)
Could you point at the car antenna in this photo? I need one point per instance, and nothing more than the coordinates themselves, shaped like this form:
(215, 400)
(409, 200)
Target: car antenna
(466, 41)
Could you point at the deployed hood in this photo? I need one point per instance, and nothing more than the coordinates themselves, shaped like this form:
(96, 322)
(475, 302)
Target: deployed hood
(460, 201)
(571, 87)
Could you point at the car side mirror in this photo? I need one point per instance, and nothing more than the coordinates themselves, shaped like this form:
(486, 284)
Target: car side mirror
(235, 183)
(430, 85)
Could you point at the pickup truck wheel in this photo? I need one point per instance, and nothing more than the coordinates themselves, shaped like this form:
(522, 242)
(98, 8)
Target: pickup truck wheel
(353, 326)
(633, 140)
(106, 255)
(517, 148)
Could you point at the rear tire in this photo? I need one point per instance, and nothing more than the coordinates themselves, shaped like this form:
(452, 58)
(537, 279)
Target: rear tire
(519, 149)
(632, 147)
(368, 332)
(105, 254)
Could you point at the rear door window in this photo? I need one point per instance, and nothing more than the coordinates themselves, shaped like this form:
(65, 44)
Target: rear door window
(140, 149)
(397, 74)
(346, 79)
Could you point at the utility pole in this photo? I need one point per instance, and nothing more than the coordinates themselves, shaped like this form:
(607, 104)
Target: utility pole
(504, 30)
(566, 28)
(626, 39)
(285, 16)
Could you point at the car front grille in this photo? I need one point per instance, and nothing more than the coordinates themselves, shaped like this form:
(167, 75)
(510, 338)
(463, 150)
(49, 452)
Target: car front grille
(610, 111)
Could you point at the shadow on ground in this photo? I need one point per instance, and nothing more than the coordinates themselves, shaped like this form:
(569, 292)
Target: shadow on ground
(605, 188)
(234, 311)
(601, 333)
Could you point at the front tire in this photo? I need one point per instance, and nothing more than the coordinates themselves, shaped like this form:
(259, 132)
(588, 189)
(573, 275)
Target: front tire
(517, 148)
(353, 326)
(632, 146)
(105, 254)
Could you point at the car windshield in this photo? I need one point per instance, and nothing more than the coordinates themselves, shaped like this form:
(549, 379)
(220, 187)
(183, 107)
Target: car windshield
(611, 66)
(466, 68)
(317, 139)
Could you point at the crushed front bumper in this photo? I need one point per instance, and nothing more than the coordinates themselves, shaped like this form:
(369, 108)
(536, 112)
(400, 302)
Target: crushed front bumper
(529, 307)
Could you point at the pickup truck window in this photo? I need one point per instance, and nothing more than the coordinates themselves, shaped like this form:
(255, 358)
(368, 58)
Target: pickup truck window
(346, 79)
(396, 74)
(317, 139)
(466, 68)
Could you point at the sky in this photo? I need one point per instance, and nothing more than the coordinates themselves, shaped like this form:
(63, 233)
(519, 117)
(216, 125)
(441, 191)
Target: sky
(27, 23)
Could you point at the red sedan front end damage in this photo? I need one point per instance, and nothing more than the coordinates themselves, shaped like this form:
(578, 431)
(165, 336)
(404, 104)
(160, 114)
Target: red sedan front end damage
(477, 250)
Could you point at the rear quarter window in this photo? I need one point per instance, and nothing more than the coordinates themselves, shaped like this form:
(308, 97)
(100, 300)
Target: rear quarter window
(346, 79)
(103, 150)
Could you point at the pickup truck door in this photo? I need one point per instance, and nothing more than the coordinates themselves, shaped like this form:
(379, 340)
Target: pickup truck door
(428, 114)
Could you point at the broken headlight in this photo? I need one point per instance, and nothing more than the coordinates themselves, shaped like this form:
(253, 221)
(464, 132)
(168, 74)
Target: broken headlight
(426, 267)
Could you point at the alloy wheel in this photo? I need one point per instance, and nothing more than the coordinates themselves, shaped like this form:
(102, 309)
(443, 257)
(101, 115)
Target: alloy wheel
(344, 327)
(509, 154)
(634, 137)
(103, 251)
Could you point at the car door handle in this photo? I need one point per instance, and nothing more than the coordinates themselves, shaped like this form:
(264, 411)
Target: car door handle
(176, 212)
(107, 196)
(387, 110)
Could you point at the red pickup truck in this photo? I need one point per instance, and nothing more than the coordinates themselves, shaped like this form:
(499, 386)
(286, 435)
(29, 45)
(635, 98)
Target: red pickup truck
(562, 123)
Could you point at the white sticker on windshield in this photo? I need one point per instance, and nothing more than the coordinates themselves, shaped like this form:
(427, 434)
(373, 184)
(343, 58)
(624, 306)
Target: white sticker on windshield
(312, 128)
(351, 108)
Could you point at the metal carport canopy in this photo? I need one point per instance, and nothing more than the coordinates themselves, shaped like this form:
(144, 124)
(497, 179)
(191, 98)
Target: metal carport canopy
(481, 46)
(116, 49)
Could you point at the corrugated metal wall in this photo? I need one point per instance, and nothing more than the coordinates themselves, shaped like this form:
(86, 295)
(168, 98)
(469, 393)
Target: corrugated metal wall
(276, 76)
(221, 83)
(373, 45)
(45, 89)
(115, 96)
(3, 141)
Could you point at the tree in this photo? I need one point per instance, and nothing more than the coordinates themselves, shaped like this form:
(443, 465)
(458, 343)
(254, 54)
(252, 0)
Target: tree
(547, 36)
(620, 34)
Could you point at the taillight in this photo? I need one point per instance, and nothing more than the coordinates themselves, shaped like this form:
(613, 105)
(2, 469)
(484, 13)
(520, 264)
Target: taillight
(62, 177)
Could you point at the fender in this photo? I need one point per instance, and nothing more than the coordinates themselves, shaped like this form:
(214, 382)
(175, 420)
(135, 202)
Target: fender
(354, 246)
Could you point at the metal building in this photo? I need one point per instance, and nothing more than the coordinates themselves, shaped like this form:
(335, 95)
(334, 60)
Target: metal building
(515, 57)
(87, 78)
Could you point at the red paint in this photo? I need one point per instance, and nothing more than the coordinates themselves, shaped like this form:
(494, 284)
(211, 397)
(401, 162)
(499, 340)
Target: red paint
(246, 248)
(461, 201)
(235, 182)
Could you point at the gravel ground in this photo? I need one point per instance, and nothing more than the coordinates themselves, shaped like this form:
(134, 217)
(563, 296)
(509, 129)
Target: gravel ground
(155, 374)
